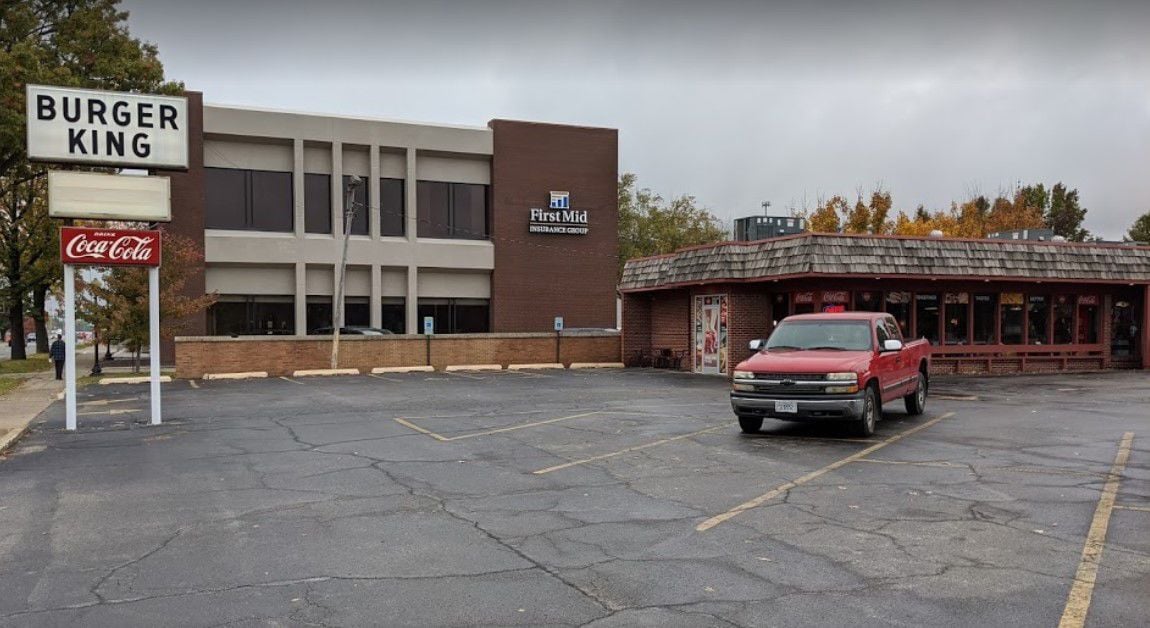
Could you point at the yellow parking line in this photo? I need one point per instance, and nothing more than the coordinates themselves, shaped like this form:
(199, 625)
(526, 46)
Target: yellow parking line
(288, 379)
(521, 426)
(1078, 603)
(775, 492)
(628, 450)
(1125, 507)
(193, 384)
(915, 463)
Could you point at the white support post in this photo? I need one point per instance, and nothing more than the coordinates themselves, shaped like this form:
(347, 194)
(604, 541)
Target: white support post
(153, 339)
(70, 346)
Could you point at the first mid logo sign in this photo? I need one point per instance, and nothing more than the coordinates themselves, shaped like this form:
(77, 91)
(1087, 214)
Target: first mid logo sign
(109, 247)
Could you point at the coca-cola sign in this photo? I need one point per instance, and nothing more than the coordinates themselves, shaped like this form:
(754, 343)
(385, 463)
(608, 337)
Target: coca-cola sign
(109, 247)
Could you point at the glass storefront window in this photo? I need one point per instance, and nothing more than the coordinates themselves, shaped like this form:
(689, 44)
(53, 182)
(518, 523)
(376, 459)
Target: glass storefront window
(985, 311)
(319, 313)
(395, 314)
(1063, 320)
(238, 315)
(1124, 329)
(957, 318)
(898, 306)
(1037, 320)
(868, 301)
(1088, 319)
(926, 313)
(1012, 318)
(356, 312)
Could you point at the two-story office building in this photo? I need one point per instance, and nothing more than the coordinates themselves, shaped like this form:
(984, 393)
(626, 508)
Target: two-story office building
(498, 228)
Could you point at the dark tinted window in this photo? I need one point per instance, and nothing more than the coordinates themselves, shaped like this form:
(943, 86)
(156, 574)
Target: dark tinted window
(1063, 320)
(253, 200)
(456, 316)
(898, 306)
(1011, 315)
(319, 313)
(271, 201)
(356, 312)
(360, 203)
(957, 318)
(452, 210)
(1037, 318)
(391, 208)
(241, 315)
(225, 196)
(434, 199)
(395, 314)
(317, 203)
(469, 211)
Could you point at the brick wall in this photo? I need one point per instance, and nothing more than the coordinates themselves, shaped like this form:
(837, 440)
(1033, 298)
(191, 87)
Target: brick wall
(671, 323)
(636, 327)
(283, 354)
(539, 276)
(748, 318)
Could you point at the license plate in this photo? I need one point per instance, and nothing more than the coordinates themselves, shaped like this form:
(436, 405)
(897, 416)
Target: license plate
(789, 407)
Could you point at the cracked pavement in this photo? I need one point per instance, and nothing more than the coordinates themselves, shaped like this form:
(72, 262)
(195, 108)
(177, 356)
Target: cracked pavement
(274, 502)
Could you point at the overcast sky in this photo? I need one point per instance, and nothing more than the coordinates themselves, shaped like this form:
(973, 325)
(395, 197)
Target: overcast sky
(736, 102)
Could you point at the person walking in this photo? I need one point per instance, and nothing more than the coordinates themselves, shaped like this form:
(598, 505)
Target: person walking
(57, 351)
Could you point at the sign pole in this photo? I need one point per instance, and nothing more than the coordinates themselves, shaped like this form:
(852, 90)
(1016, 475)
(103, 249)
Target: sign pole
(70, 346)
(154, 340)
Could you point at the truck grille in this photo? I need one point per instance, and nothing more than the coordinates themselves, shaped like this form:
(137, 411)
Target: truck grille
(796, 377)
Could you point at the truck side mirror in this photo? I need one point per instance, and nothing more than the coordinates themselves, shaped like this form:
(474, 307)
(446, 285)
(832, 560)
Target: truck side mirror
(755, 345)
(891, 345)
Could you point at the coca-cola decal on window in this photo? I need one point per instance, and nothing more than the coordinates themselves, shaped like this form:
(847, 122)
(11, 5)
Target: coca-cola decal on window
(109, 247)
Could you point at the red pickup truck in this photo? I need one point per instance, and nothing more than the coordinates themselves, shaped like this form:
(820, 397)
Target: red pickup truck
(831, 367)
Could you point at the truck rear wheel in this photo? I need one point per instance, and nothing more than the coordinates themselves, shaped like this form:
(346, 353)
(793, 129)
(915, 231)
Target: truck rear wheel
(916, 401)
(750, 424)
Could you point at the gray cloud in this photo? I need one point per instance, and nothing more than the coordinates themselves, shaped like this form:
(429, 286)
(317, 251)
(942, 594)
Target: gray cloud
(734, 101)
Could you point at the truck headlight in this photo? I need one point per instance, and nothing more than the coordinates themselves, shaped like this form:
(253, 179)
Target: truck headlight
(841, 377)
(853, 388)
(743, 375)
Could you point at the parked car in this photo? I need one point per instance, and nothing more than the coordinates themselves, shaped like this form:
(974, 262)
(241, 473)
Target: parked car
(354, 331)
(831, 367)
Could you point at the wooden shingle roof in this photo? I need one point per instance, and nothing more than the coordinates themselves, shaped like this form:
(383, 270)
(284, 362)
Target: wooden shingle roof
(834, 254)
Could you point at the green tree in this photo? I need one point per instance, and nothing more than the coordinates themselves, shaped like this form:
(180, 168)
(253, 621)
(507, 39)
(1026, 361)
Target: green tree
(1140, 230)
(123, 291)
(650, 225)
(1064, 214)
(76, 43)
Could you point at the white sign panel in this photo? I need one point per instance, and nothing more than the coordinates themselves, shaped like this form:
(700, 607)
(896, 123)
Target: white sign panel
(87, 126)
(96, 196)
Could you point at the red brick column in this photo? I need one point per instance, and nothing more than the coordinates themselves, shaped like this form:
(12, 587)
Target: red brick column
(671, 323)
(1145, 331)
(748, 318)
(636, 326)
(1104, 335)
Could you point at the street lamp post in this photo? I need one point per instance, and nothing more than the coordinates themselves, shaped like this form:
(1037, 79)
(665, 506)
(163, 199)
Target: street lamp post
(349, 210)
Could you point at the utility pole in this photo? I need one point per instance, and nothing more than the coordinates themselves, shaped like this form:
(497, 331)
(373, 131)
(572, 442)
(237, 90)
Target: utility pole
(349, 210)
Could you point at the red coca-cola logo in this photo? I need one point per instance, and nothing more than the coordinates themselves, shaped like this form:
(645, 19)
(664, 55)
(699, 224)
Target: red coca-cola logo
(109, 247)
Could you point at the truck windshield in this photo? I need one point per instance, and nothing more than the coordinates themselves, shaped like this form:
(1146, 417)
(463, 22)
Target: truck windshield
(821, 335)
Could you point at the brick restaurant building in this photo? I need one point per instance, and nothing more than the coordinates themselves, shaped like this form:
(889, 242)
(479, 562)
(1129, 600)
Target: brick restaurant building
(445, 227)
(987, 306)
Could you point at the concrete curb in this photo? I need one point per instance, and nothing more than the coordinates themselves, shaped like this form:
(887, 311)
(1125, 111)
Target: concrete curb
(597, 365)
(379, 370)
(473, 367)
(247, 375)
(324, 372)
(104, 381)
(543, 365)
(10, 437)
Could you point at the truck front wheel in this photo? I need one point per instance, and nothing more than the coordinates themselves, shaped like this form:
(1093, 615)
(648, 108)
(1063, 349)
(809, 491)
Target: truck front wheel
(750, 424)
(866, 422)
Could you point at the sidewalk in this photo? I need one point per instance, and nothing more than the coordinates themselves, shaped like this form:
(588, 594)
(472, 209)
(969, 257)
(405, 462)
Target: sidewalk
(21, 406)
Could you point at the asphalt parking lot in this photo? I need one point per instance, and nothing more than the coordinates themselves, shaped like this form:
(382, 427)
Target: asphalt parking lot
(601, 498)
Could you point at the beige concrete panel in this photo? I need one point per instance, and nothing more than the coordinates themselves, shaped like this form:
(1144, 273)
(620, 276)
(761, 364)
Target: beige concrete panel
(393, 282)
(356, 160)
(454, 284)
(435, 253)
(248, 155)
(250, 280)
(268, 123)
(358, 282)
(457, 169)
(320, 281)
(317, 159)
(250, 247)
(392, 164)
